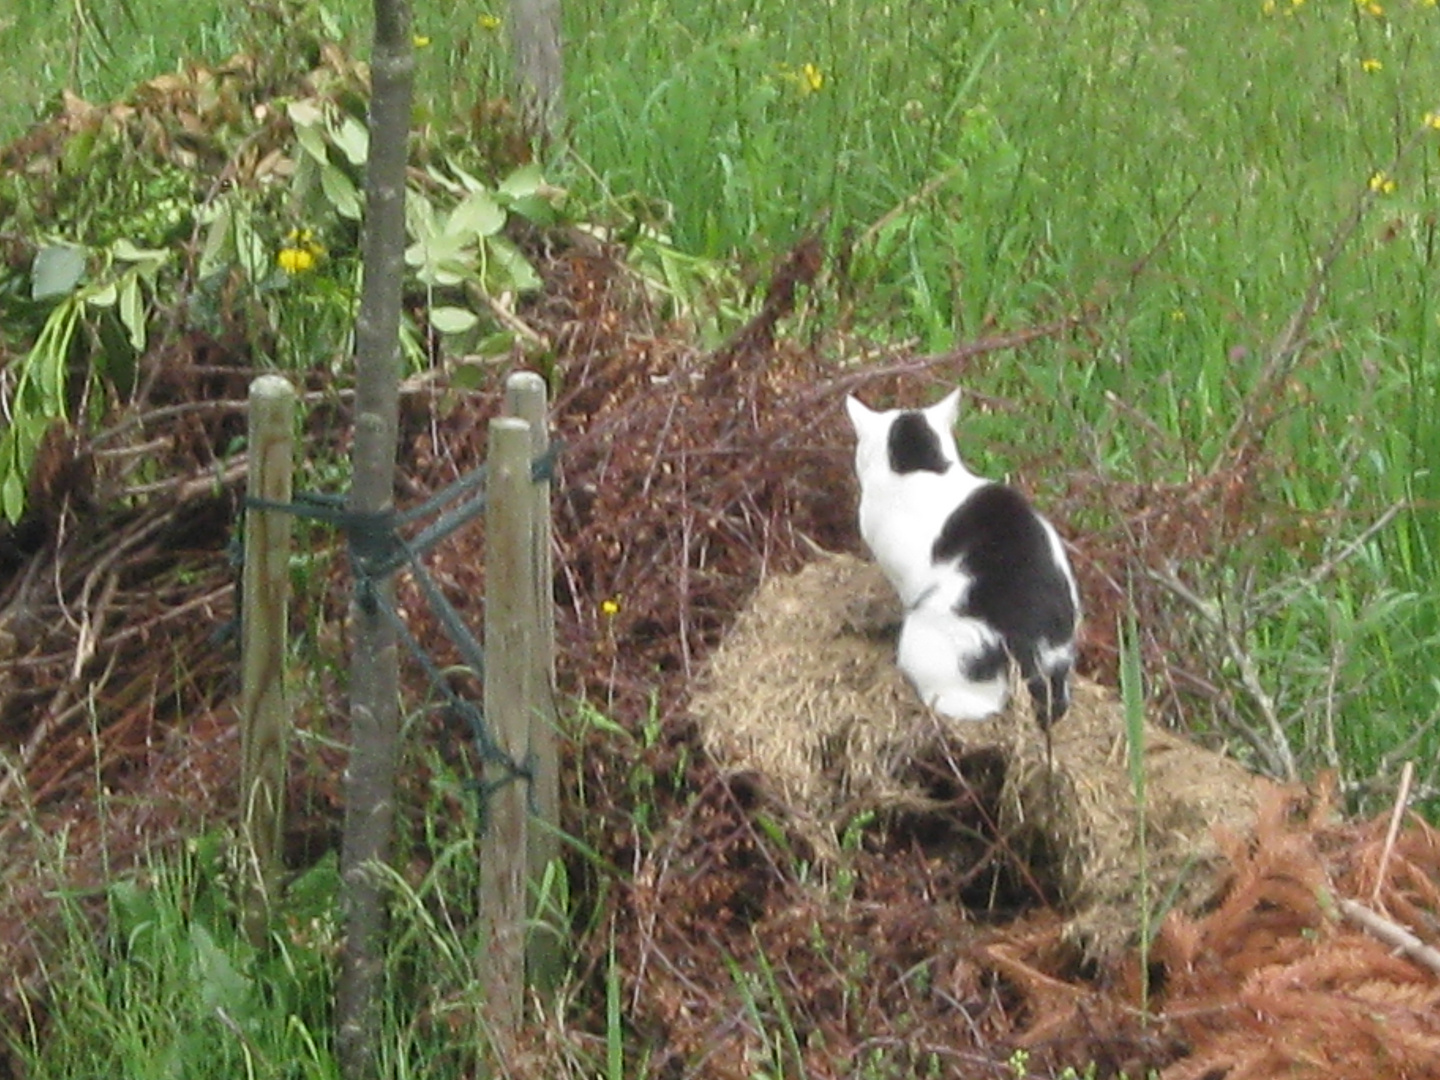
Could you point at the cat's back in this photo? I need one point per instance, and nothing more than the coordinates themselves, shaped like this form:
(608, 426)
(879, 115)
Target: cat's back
(1020, 578)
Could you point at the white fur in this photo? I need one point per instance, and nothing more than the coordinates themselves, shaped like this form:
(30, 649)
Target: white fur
(900, 517)
(932, 641)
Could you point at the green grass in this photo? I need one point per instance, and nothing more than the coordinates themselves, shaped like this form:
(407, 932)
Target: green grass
(1007, 162)
(997, 165)
(152, 974)
(171, 987)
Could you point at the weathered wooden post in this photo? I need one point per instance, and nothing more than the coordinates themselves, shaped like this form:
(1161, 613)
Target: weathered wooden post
(265, 587)
(525, 398)
(509, 644)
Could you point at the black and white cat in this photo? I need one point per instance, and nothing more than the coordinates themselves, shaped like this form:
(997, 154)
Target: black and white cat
(982, 576)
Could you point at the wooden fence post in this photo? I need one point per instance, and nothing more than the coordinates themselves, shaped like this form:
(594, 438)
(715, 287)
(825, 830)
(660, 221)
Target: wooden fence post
(265, 587)
(525, 398)
(509, 643)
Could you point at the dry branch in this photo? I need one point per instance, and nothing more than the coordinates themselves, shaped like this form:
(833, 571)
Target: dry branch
(1392, 934)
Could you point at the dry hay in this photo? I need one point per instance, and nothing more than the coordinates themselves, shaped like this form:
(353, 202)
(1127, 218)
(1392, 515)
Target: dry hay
(805, 692)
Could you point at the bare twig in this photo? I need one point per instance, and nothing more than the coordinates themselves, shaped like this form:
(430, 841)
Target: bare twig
(508, 319)
(1276, 750)
(1286, 595)
(1402, 797)
(921, 365)
(915, 198)
(1392, 934)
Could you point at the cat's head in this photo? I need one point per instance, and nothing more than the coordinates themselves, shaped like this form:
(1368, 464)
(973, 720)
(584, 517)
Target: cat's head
(905, 440)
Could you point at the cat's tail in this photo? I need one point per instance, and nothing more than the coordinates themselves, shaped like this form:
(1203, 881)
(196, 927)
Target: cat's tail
(1049, 685)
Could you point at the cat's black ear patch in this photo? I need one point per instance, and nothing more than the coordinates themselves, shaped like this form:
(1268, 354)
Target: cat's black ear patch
(915, 446)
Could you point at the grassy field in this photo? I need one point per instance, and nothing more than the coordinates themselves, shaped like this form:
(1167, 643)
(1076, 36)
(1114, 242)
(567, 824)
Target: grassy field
(1244, 199)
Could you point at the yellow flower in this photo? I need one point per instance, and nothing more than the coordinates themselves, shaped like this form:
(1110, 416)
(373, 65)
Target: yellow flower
(300, 253)
(611, 607)
(1370, 64)
(420, 41)
(806, 79)
(1370, 7)
(1268, 7)
(295, 260)
(1382, 184)
(1432, 120)
(489, 22)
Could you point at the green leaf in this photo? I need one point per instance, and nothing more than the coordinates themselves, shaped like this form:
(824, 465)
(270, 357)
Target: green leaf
(308, 120)
(420, 217)
(221, 984)
(453, 320)
(535, 208)
(123, 249)
(217, 237)
(469, 376)
(56, 271)
(132, 911)
(497, 344)
(467, 182)
(509, 269)
(132, 311)
(103, 297)
(12, 496)
(523, 182)
(44, 368)
(476, 215)
(352, 139)
(340, 192)
(250, 251)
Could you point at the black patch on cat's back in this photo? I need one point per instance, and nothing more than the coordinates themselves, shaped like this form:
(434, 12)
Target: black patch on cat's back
(914, 446)
(1018, 587)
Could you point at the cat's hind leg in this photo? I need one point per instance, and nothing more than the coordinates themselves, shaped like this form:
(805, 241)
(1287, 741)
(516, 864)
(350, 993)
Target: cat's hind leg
(938, 650)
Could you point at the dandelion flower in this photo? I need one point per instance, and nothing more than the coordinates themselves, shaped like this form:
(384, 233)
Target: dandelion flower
(610, 607)
(420, 41)
(300, 253)
(295, 260)
(489, 22)
(1370, 64)
(1382, 184)
(1432, 120)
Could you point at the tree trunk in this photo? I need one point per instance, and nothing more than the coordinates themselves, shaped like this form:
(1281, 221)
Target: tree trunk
(538, 65)
(374, 666)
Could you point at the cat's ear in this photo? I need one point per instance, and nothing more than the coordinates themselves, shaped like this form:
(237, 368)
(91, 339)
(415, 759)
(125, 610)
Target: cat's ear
(861, 418)
(945, 412)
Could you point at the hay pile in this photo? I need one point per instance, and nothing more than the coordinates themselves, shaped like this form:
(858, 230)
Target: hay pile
(805, 693)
